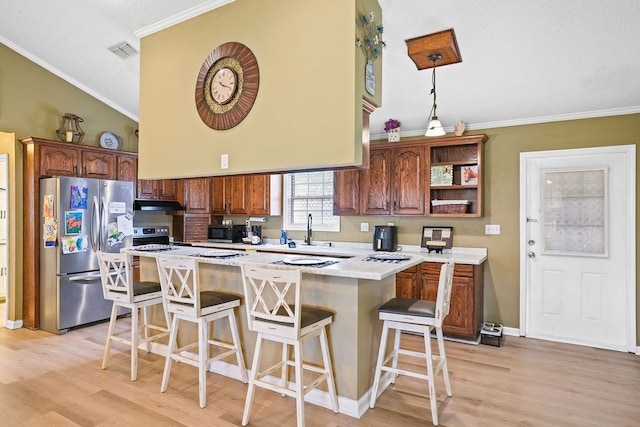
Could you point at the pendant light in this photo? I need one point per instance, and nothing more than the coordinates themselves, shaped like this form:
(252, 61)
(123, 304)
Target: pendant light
(435, 127)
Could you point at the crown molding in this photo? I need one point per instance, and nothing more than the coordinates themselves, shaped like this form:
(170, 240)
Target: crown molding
(529, 121)
(180, 17)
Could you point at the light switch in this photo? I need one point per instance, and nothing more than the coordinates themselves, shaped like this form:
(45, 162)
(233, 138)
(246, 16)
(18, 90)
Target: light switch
(364, 226)
(491, 229)
(224, 161)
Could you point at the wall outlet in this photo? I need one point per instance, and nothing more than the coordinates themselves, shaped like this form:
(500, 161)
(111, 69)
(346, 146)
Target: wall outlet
(364, 226)
(224, 161)
(491, 229)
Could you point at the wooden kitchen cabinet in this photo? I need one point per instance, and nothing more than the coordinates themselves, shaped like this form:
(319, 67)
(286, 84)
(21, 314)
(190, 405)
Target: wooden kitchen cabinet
(127, 168)
(191, 228)
(62, 159)
(242, 195)
(346, 193)
(157, 189)
(459, 153)
(394, 182)
(258, 194)
(58, 160)
(466, 310)
(376, 183)
(194, 194)
(228, 195)
(407, 283)
(398, 180)
(98, 165)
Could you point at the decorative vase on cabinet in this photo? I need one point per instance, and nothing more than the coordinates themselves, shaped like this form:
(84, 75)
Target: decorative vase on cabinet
(394, 135)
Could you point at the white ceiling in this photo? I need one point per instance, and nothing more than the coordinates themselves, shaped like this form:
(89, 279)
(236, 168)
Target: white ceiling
(523, 61)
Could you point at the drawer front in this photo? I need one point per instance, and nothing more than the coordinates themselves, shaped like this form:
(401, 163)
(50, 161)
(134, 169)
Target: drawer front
(460, 270)
(410, 270)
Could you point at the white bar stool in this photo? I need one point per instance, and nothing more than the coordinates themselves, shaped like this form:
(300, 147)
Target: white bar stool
(418, 316)
(117, 285)
(185, 300)
(275, 312)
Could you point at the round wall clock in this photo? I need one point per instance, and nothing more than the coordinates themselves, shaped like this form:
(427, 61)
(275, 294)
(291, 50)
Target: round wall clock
(227, 86)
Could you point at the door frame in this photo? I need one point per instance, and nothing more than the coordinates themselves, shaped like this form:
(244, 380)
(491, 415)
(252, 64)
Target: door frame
(630, 219)
(4, 158)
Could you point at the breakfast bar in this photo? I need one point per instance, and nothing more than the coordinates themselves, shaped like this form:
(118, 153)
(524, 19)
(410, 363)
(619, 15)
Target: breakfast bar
(353, 287)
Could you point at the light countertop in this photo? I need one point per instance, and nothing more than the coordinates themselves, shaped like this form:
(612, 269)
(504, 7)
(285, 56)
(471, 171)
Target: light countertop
(475, 256)
(350, 258)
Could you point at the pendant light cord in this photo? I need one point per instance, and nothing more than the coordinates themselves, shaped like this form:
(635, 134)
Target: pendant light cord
(433, 113)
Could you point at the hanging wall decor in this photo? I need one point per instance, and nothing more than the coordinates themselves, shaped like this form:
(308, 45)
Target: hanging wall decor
(70, 130)
(370, 41)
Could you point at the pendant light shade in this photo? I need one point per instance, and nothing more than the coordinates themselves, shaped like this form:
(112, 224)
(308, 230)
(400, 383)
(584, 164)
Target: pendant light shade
(434, 128)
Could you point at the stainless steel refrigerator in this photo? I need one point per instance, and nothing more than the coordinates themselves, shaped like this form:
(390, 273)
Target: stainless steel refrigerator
(78, 217)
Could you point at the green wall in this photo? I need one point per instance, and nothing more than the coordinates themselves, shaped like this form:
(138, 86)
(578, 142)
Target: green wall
(32, 102)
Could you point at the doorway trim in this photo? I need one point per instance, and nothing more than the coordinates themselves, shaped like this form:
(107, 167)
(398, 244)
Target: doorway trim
(630, 219)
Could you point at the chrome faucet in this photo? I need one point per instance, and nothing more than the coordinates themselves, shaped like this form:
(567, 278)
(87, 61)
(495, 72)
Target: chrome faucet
(307, 239)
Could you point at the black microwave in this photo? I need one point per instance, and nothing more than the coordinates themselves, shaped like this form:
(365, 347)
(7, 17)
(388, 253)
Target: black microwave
(225, 233)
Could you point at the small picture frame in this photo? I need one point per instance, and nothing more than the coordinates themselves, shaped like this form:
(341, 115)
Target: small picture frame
(437, 238)
(469, 175)
(441, 175)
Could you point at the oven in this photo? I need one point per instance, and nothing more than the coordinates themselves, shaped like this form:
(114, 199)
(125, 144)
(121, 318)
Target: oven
(154, 234)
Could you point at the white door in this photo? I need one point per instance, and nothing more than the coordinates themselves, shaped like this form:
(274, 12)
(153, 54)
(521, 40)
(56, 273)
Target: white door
(577, 236)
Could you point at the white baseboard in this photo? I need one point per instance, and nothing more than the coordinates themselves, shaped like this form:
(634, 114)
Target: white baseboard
(13, 324)
(514, 332)
(350, 407)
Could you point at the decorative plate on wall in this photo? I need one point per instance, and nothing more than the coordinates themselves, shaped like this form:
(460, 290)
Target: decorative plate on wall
(227, 85)
(109, 140)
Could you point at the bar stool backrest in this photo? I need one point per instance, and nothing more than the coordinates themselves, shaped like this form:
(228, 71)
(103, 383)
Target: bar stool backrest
(273, 300)
(117, 276)
(445, 285)
(180, 287)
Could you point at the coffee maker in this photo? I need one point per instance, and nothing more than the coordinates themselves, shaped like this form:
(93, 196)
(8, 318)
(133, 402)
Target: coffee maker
(385, 238)
(253, 231)
(257, 231)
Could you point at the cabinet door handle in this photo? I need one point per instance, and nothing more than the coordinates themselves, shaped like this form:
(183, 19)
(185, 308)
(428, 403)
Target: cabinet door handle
(84, 171)
(75, 169)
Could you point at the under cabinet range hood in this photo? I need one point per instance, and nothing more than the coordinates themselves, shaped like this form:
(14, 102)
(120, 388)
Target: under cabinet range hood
(157, 205)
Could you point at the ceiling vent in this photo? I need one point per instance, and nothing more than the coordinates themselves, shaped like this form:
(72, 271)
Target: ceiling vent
(123, 50)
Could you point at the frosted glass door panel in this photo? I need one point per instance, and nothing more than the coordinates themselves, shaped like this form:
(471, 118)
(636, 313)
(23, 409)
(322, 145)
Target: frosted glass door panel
(575, 212)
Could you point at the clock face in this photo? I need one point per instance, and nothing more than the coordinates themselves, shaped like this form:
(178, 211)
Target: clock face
(227, 86)
(223, 85)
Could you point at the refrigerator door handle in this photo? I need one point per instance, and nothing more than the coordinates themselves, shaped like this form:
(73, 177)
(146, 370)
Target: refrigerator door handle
(94, 230)
(104, 233)
(90, 277)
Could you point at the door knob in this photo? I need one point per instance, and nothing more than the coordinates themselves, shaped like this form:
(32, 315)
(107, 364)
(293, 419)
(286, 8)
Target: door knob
(532, 255)
(531, 242)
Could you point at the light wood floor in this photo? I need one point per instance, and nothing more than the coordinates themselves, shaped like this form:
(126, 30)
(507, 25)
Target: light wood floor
(49, 380)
